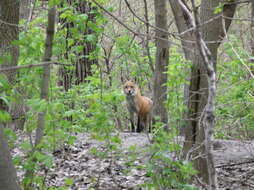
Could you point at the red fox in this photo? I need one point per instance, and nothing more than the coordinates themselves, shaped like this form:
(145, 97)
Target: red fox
(140, 105)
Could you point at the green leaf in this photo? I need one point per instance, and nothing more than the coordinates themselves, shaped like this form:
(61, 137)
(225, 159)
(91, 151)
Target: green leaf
(53, 3)
(71, 140)
(116, 139)
(91, 38)
(10, 133)
(219, 8)
(83, 17)
(68, 181)
(4, 116)
(5, 100)
(26, 146)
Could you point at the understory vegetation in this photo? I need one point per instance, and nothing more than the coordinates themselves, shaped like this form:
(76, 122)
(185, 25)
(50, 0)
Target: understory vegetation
(96, 105)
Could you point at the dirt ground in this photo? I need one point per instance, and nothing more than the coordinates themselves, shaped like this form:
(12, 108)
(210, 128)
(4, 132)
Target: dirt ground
(234, 162)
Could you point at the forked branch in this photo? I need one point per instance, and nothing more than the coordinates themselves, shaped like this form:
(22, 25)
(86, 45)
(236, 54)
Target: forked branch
(208, 119)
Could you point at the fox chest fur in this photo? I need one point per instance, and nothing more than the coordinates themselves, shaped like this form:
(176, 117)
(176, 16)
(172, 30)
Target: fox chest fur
(132, 104)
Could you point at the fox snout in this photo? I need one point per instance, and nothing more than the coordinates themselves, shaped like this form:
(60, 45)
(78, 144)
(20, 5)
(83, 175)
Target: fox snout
(129, 92)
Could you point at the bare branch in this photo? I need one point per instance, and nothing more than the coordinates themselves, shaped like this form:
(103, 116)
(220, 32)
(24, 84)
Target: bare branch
(32, 65)
(113, 16)
(150, 62)
(134, 32)
(208, 118)
(146, 21)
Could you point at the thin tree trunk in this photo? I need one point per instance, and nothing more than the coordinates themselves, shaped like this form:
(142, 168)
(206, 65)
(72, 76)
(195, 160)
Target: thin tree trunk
(148, 53)
(46, 72)
(8, 176)
(44, 92)
(162, 57)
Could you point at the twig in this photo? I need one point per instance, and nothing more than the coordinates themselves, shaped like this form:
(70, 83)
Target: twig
(206, 22)
(150, 61)
(113, 16)
(131, 30)
(146, 21)
(32, 65)
(242, 19)
(235, 52)
(10, 24)
(234, 164)
(211, 77)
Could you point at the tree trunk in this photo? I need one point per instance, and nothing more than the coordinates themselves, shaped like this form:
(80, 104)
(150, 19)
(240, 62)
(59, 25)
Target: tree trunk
(208, 118)
(162, 58)
(83, 64)
(252, 37)
(198, 90)
(183, 24)
(9, 20)
(198, 96)
(25, 9)
(146, 40)
(46, 72)
(8, 176)
(44, 92)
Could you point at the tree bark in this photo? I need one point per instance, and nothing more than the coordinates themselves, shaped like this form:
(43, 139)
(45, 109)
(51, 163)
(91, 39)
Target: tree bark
(183, 24)
(162, 57)
(9, 20)
(211, 30)
(25, 9)
(252, 38)
(82, 64)
(9, 52)
(208, 119)
(146, 40)
(46, 72)
(8, 176)
(44, 92)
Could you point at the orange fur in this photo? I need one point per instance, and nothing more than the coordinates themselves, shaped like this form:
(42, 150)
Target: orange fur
(140, 105)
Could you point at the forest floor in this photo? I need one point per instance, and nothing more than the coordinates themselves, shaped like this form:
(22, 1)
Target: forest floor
(90, 169)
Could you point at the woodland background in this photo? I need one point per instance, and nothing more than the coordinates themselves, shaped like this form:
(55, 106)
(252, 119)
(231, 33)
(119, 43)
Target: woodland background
(62, 64)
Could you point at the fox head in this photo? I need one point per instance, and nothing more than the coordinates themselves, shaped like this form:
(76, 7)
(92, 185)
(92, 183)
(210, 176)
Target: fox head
(130, 89)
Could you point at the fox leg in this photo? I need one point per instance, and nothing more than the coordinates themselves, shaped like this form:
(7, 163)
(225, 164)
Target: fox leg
(132, 122)
(141, 123)
(139, 127)
(149, 123)
(146, 120)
